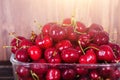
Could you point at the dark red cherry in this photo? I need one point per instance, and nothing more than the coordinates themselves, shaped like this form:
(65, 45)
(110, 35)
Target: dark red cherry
(16, 41)
(52, 55)
(101, 38)
(80, 27)
(105, 53)
(88, 58)
(44, 41)
(64, 44)
(94, 75)
(68, 74)
(71, 34)
(23, 72)
(46, 28)
(53, 74)
(21, 55)
(57, 32)
(25, 44)
(84, 40)
(70, 55)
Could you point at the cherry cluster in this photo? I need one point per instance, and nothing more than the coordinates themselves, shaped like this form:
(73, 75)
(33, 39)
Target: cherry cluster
(66, 52)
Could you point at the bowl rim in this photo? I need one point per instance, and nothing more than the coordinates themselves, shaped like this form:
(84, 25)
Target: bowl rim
(16, 62)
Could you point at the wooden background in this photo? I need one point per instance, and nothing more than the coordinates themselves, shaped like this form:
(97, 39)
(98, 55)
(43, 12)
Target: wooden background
(19, 15)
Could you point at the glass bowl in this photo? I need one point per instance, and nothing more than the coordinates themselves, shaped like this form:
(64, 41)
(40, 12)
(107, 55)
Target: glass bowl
(65, 71)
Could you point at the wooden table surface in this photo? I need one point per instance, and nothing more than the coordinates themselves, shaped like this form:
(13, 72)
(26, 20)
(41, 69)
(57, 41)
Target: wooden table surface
(6, 72)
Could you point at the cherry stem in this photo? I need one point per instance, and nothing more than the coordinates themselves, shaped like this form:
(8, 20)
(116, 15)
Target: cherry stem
(34, 76)
(54, 53)
(81, 47)
(92, 48)
(12, 34)
(32, 35)
(7, 46)
(38, 24)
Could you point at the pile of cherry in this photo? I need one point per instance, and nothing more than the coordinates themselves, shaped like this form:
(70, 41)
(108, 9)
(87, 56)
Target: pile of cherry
(64, 52)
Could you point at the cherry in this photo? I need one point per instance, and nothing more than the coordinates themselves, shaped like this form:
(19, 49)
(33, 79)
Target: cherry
(25, 43)
(81, 71)
(116, 74)
(88, 58)
(94, 75)
(101, 38)
(38, 68)
(23, 71)
(53, 74)
(80, 27)
(46, 28)
(52, 55)
(105, 53)
(115, 47)
(21, 55)
(67, 21)
(44, 41)
(84, 40)
(64, 44)
(57, 32)
(68, 74)
(96, 27)
(70, 55)
(71, 34)
(34, 52)
(106, 71)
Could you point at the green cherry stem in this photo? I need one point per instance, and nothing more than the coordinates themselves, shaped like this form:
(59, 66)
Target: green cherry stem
(34, 76)
(81, 47)
(91, 47)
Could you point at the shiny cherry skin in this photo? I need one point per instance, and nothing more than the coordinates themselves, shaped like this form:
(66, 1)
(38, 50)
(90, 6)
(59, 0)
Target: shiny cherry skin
(64, 44)
(23, 72)
(105, 53)
(44, 41)
(46, 28)
(81, 27)
(57, 32)
(88, 58)
(68, 74)
(21, 55)
(94, 75)
(101, 38)
(53, 74)
(34, 52)
(70, 55)
(84, 40)
(51, 55)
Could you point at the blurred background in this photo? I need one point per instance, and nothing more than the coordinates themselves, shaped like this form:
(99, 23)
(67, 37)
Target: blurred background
(19, 15)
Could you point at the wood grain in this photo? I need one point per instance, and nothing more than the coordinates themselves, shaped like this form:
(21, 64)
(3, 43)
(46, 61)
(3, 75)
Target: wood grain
(19, 15)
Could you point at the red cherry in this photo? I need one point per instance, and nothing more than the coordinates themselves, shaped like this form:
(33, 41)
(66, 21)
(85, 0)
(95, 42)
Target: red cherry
(52, 55)
(23, 71)
(68, 74)
(94, 75)
(88, 58)
(80, 27)
(105, 53)
(64, 44)
(16, 41)
(34, 52)
(25, 44)
(44, 41)
(53, 74)
(71, 34)
(46, 28)
(21, 55)
(70, 55)
(57, 32)
(84, 40)
(101, 38)
(67, 21)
